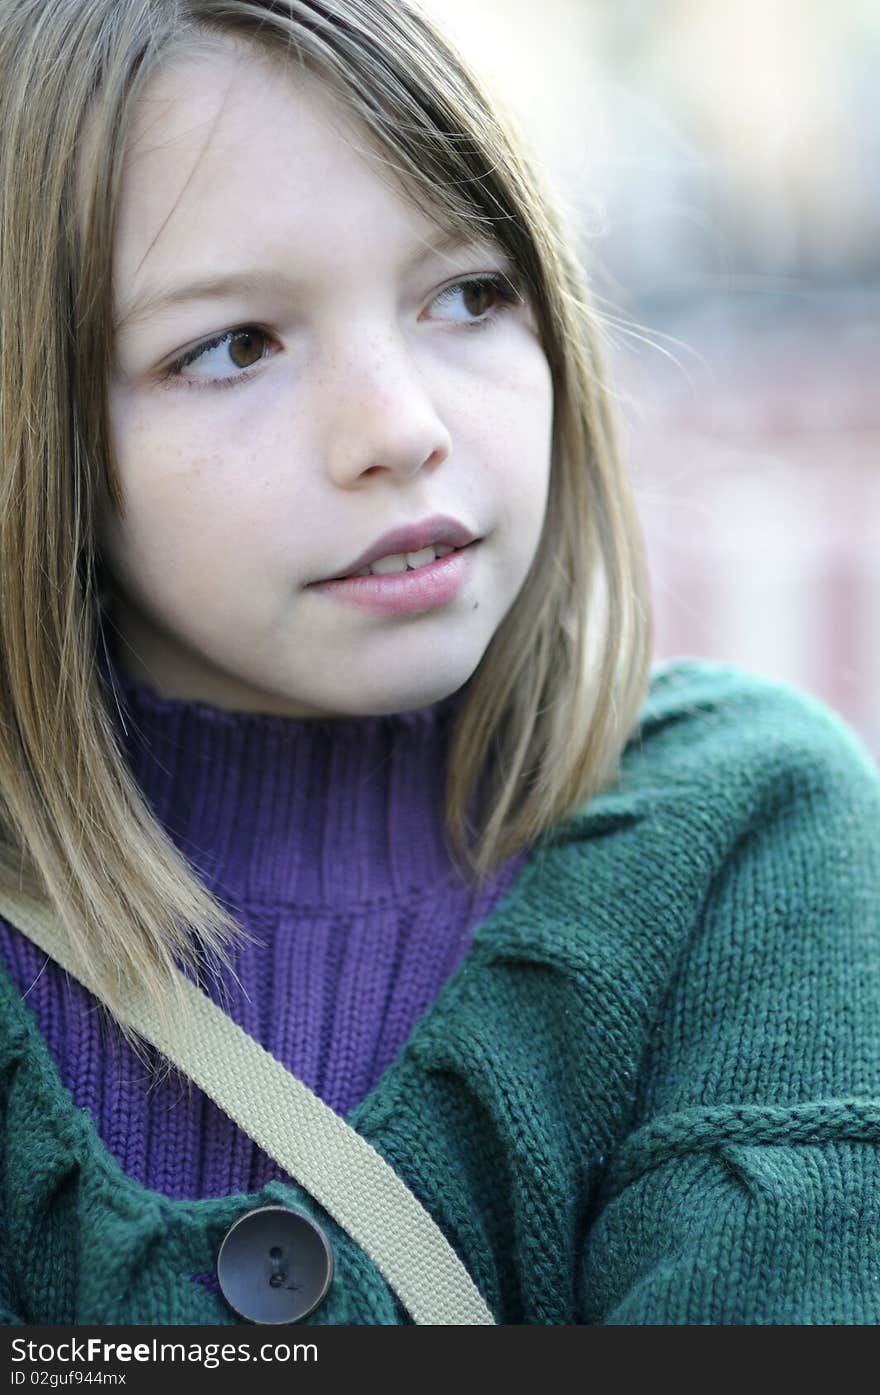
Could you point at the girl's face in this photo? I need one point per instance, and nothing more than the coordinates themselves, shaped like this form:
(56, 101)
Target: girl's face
(299, 369)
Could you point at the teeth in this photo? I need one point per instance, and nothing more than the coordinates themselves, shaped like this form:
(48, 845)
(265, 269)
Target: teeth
(402, 561)
(397, 562)
(422, 558)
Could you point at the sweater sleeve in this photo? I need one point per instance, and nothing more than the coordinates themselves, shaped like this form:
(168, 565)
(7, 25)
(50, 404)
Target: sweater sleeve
(747, 1190)
(8, 1317)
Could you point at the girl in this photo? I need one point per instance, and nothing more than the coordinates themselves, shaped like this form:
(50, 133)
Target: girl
(326, 676)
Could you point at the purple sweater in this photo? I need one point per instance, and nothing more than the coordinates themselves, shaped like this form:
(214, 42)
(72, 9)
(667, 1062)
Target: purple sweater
(325, 840)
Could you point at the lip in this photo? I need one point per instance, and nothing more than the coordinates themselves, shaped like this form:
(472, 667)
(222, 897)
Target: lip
(406, 593)
(411, 537)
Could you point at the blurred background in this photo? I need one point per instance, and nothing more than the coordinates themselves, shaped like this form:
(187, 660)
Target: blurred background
(720, 167)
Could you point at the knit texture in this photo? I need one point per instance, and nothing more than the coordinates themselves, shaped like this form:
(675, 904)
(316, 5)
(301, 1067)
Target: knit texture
(325, 840)
(648, 1093)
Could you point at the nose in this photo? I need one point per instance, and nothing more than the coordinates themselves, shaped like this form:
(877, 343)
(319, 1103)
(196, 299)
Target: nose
(382, 414)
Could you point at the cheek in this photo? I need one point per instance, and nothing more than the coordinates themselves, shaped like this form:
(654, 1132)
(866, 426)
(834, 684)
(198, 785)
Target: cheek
(524, 393)
(528, 462)
(188, 489)
(514, 423)
(165, 520)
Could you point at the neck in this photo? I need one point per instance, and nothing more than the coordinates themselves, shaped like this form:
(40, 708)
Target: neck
(308, 811)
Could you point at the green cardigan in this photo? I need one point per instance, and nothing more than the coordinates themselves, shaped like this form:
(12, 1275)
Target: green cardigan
(649, 1094)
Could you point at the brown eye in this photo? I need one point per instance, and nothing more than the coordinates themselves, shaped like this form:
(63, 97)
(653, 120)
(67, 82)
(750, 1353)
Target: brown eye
(246, 347)
(230, 355)
(478, 301)
(478, 296)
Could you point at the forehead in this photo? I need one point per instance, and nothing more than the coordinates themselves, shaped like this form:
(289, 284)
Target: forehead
(224, 97)
(230, 150)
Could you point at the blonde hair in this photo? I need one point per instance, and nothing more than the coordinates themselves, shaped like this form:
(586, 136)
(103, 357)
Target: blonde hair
(560, 687)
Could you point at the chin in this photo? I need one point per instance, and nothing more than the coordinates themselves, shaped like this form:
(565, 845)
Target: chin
(407, 697)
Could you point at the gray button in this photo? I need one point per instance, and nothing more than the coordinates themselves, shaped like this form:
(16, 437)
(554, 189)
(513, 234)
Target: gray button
(275, 1265)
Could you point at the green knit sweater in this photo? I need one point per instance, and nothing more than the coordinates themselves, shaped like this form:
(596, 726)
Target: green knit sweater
(649, 1094)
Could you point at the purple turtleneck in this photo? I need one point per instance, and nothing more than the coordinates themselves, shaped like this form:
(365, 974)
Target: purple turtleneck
(325, 840)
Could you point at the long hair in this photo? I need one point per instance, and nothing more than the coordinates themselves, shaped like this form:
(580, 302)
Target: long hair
(555, 697)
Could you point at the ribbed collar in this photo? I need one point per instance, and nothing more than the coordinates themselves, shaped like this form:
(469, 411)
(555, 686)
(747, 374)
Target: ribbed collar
(323, 813)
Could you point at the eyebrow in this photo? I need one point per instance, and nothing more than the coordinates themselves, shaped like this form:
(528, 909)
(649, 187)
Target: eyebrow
(255, 282)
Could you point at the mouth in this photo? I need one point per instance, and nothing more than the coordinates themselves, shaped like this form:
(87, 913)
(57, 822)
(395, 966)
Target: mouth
(396, 564)
(427, 585)
(408, 547)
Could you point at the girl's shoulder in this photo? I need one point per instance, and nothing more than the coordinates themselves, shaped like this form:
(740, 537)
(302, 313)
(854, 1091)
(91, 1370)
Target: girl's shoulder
(718, 749)
(715, 704)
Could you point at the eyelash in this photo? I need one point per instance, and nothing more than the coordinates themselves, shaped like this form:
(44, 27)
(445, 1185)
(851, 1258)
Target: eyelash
(507, 286)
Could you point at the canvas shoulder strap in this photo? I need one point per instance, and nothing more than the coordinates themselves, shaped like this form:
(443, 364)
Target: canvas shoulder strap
(313, 1144)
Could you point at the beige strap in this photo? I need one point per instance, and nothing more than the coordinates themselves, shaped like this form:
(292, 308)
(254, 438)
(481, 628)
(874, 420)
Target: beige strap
(311, 1141)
